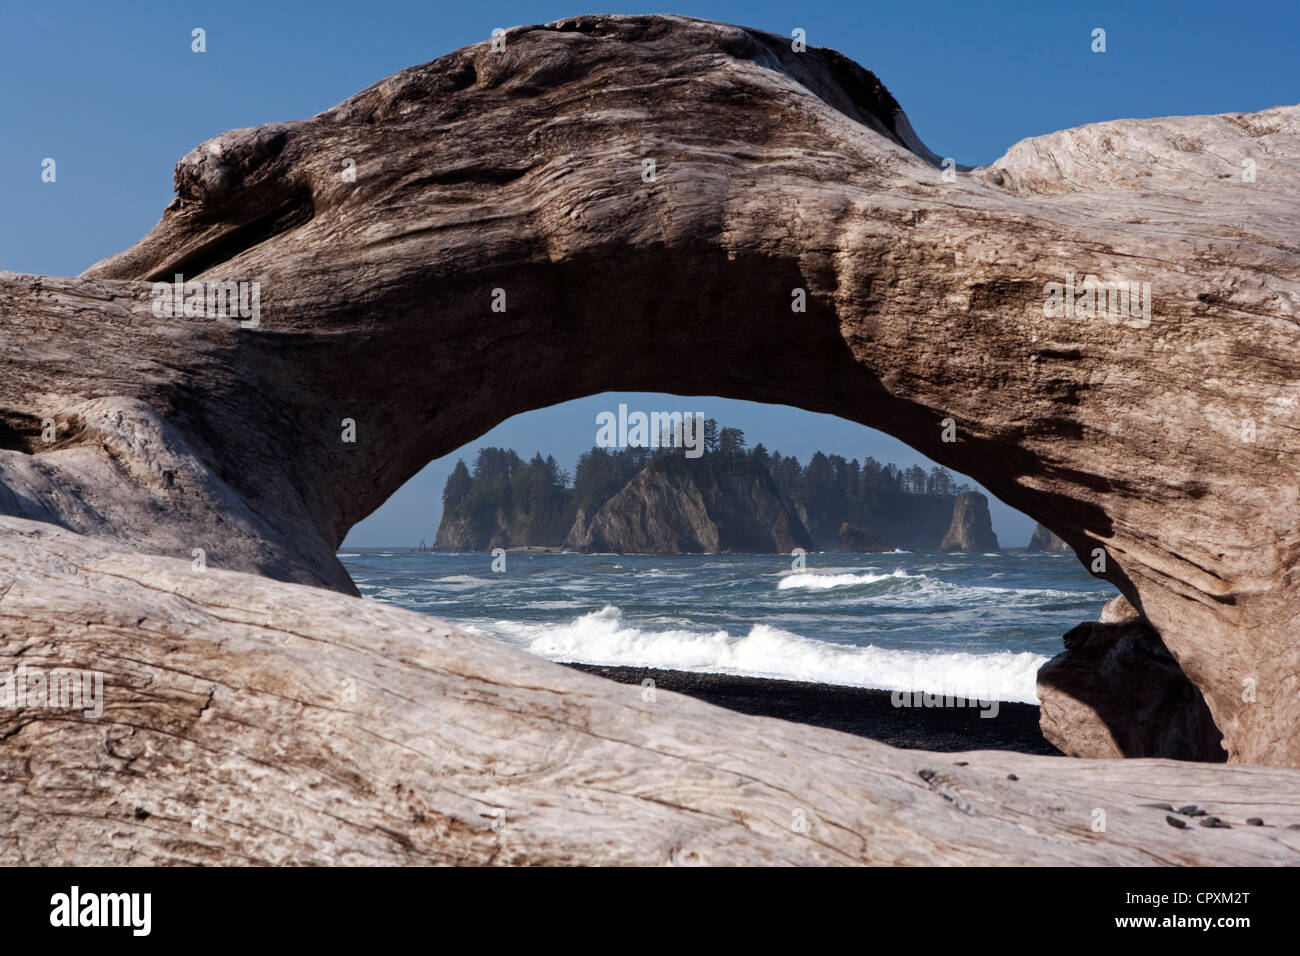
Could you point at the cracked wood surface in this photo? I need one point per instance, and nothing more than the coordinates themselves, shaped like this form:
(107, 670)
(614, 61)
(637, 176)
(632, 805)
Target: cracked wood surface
(522, 171)
(250, 720)
(1171, 447)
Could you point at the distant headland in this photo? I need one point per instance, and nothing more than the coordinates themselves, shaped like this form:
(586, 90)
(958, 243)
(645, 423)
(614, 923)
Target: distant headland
(729, 498)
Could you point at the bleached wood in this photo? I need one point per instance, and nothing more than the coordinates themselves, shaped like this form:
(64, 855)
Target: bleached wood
(230, 735)
(1172, 447)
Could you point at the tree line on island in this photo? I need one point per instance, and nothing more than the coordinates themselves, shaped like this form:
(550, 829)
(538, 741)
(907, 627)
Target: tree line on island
(731, 498)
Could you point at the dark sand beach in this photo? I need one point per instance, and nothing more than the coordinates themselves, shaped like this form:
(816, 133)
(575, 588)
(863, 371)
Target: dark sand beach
(853, 710)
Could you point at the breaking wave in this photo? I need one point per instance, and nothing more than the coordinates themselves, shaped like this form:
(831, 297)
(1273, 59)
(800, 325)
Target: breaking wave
(603, 637)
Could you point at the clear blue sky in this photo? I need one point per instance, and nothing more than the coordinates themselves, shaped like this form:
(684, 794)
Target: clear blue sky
(114, 94)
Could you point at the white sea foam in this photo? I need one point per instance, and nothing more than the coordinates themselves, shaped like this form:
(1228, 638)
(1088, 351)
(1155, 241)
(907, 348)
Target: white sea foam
(821, 581)
(602, 637)
(462, 579)
(382, 593)
(920, 590)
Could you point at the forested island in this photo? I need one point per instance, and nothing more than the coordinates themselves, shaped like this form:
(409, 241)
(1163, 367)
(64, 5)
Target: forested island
(732, 498)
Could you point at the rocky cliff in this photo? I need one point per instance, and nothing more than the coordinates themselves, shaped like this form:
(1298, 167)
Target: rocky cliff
(915, 523)
(462, 533)
(692, 510)
(971, 528)
(1044, 540)
(676, 505)
(860, 541)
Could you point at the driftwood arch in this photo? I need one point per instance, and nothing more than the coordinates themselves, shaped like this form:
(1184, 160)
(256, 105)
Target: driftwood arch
(378, 230)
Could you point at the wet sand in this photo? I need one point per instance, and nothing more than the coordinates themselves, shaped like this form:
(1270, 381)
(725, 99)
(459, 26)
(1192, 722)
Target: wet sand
(853, 710)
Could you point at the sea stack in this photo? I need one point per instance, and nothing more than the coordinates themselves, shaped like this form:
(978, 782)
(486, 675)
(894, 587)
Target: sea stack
(971, 528)
(667, 510)
(1044, 540)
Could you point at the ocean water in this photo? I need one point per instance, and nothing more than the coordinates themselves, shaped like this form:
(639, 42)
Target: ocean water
(975, 625)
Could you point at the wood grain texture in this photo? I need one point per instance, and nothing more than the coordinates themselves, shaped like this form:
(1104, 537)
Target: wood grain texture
(247, 720)
(1168, 447)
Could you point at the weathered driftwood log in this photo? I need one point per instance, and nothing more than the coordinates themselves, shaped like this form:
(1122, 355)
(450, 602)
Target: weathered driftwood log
(245, 720)
(636, 203)
(1115, 691)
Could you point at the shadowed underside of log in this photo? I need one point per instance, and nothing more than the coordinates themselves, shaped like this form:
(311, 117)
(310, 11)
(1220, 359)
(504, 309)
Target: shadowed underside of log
(521, 177)
(249, 720)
